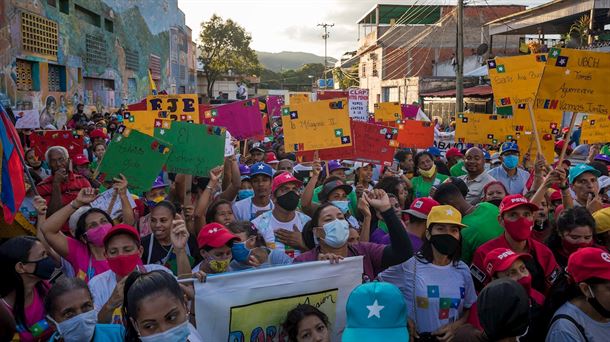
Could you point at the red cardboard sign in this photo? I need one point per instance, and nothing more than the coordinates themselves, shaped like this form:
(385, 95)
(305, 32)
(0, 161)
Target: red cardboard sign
(40, 141)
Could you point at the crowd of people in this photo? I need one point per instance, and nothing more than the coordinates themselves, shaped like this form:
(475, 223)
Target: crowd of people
(465, 245)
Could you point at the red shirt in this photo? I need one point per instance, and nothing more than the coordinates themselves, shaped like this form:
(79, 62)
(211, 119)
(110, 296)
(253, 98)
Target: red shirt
(69, 189)
(540, 252)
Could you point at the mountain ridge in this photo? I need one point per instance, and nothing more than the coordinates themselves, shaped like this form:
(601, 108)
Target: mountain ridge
(286, 60)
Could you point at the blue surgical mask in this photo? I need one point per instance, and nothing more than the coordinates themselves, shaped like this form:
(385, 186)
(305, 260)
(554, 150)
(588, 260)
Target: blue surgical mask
(244, 193)
(178, 333)
(510, 162)
(336, 233)
(342, 205)
(240, 252)
(77, 328)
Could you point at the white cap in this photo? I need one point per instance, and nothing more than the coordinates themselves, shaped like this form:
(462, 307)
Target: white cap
(603, 181)
(75, 216)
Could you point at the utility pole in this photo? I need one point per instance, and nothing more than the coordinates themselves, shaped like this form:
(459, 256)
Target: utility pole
(459, 74)
(325, 37)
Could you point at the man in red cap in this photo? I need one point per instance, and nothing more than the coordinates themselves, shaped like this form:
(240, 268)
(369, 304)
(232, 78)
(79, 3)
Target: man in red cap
(281, 227)
(517, 218)
(453, 156)
(215, 242)
(123, 250)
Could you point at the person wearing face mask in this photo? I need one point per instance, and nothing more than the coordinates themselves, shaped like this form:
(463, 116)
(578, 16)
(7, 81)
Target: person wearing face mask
(251, 251)
(336, 172)
(245, 189)
(335, 191)
(513, 177)
(123, 250)
(426, 175)
(575, 228)
(249, 208)
(330, 231)
(494, 192)
(476, 178)
(69, 307)
(26, 268)
(602, 228)
(516, 216)
(435, 281)
(156, 194)
(215, 243)
(281, 227)
(156, 309)
(585, 313)
(455, 162)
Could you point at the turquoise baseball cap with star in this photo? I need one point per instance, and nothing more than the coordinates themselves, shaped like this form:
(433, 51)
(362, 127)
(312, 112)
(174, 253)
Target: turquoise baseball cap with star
(376, 311)
(579, 169)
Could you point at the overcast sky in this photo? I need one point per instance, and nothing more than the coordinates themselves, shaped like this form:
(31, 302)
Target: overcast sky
(291, 25)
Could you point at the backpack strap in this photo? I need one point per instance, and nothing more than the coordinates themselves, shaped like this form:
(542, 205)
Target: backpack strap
(569, 318)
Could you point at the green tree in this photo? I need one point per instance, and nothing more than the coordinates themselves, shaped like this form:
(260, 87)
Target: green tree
(223, 46)
(346, 77)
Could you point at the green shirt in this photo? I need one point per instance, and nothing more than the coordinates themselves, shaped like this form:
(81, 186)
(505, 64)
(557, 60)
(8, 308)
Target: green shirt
(482, 226)
(458, 169)
(421, 188)
(351, 197)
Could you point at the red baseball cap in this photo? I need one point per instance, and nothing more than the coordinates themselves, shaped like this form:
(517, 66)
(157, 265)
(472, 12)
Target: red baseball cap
(80, 159)
(283, 178)
(555, 196)
(453, 152)
(421, 207)
(97, 133)
(122, 228)
(271, 158)
(500, 259)
(589, 262)
(512, 201)
(214, 235)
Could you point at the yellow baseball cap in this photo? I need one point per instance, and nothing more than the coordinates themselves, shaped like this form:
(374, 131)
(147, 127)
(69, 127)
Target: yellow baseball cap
(444, 214)
(602, 220)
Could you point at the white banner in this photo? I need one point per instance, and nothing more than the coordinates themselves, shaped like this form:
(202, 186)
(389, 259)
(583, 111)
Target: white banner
(358, 104)
(27, 118)
(251, 305)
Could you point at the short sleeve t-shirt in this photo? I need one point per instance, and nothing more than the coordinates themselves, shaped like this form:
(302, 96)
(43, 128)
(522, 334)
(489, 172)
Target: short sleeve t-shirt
(80, 259)
(154, 253)
(245, 210)
(267, 225)
(440, 293)
(37, 328)
(482, 226)
(421, 188)
(562, 330)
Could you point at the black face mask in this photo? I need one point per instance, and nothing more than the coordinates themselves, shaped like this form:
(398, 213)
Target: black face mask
(289, 201)
(44, 268)
(598, 306)
(495, 202)
(446, 244)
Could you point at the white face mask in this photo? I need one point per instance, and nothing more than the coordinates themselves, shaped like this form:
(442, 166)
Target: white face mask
(178, 333)
(78, 328)
(336, 233)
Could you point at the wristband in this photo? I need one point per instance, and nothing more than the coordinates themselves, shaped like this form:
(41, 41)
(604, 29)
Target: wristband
(73, 205)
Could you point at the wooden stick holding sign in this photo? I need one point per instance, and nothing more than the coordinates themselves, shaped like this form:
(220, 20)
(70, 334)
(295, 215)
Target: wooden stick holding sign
(534, 128)
(566, 139)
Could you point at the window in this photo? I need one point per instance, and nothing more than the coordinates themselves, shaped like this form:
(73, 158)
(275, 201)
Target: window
(375, 74)
(363, 70)
(39, 35)
(95, 49)
(57, 77)
(132, 59)
(64, 6)
(87, 16)
(181, 90)
(154, 64)
(109, 25)
(28, 75)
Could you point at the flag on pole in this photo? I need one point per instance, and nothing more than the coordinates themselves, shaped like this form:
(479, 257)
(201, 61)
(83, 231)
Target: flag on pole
(12, 188)
(153, 86)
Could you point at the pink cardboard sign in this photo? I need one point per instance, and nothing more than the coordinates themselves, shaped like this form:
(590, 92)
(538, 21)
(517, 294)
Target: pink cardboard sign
(242, 118)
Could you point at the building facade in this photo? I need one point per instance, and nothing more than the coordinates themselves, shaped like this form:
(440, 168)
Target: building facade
(55, 54)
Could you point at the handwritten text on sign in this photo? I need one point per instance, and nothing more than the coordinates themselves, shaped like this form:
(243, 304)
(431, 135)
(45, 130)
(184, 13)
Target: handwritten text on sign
(595, 129)
(575, 81)
(478, 128)
(515, 80)
(316, 125)
(358, 100)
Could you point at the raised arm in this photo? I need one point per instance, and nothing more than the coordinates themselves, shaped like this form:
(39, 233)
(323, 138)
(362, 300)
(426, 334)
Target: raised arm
(232, 188)
(120, 186)
(307, 198)
(203, 202)
(41, 209)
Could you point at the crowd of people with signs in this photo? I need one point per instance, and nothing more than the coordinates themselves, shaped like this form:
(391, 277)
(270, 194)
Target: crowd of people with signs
(260, 220)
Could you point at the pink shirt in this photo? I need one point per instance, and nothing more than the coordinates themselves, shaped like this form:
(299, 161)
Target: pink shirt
(80, 258)
(37, 328)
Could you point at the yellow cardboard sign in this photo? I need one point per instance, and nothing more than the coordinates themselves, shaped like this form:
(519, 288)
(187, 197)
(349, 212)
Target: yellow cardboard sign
(595, 129)
(515, 80)
(480, 128)
(388, 112)
(316, 125)
(162, 108)
(575, 81)
(253, 322)
(298, 98)
(548, 123)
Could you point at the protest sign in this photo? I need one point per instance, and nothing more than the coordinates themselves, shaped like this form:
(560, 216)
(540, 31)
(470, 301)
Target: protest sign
(480, 128)
(274, 105)
(242, 118)
(104, 200)
(374, 143)
(327, 154)
(138, 156)
(595, 129)
(298, 98)
(331, 94)
(187, 155)
(575, 81)
(515, 80)
(27, 119)
(358, 102)
(415, 134)
(229, 148)
(160, 108)
(250, 306)
(40, 141)
(409, 111)
(316, 125)
(548, 123)
(388, 112)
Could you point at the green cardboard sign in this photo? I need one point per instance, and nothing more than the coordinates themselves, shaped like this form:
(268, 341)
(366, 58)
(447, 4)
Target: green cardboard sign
(196, 148)
(138, 156)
